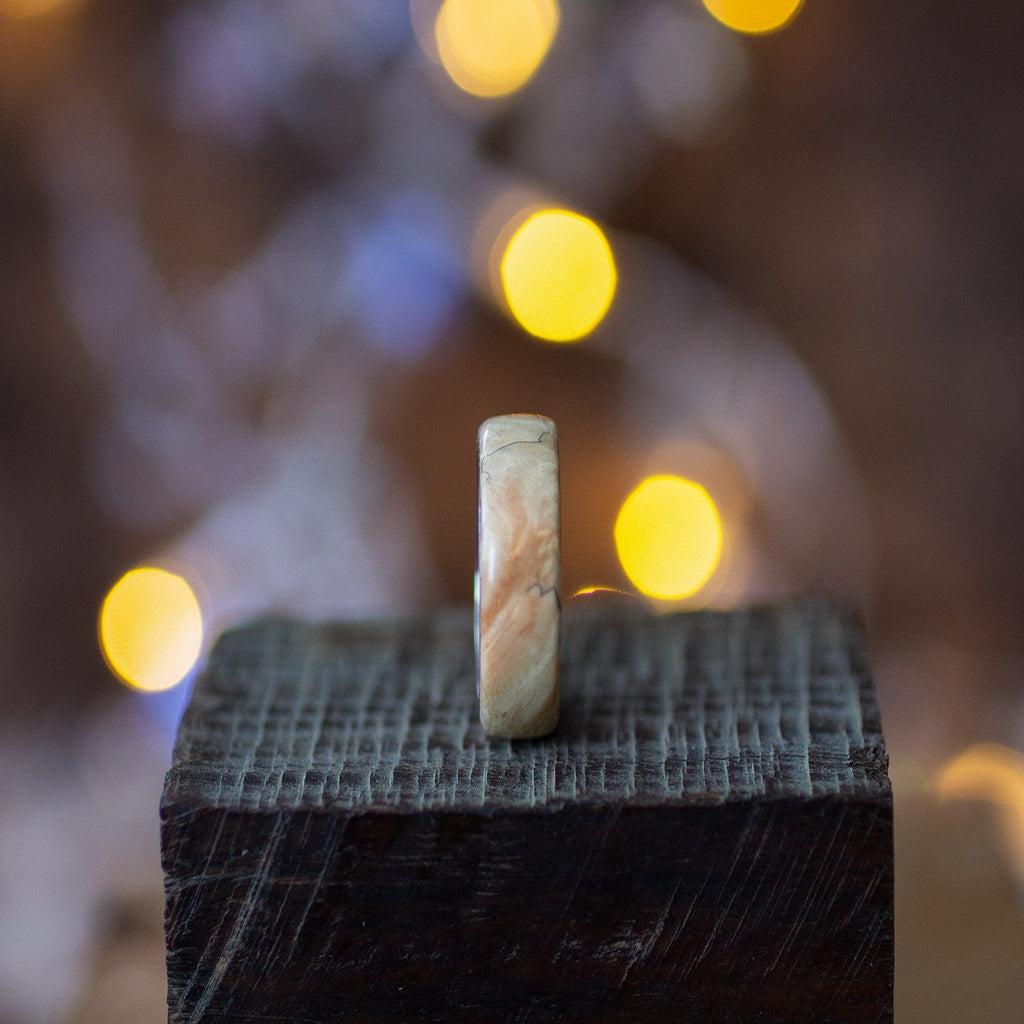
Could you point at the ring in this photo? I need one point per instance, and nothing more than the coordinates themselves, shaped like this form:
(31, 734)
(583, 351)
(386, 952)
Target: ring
(518, 578)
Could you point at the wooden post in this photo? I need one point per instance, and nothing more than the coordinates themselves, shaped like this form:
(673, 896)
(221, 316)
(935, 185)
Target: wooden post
(706, 837)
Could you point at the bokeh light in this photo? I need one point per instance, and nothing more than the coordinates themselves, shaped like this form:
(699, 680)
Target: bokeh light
(687, 73)
(402, 277)
(754, 16)
(493, 47)
(558, 275)
(993, 773)
(984, 771)
(498, 217)
(151, 628)
(668, 535)
(33, 8)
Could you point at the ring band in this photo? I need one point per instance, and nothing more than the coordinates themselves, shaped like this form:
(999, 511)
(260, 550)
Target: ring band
(518, 583)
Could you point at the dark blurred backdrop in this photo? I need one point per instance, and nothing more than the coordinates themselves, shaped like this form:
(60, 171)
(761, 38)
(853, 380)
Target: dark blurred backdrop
(243, 333)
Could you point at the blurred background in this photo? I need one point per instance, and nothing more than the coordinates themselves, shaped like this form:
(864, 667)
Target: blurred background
(265, 265)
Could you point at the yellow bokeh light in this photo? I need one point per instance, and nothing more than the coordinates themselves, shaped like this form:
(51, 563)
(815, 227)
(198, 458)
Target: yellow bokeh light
(668, 535)
(994, 773)
(498, 221)
(493, 47)
(754, 16)
(984, 771)
(151, 628)
(33, 8)
(558, 275)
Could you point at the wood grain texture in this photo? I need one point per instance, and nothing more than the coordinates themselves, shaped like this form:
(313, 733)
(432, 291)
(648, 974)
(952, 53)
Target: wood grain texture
(518, 584)
(708, 834)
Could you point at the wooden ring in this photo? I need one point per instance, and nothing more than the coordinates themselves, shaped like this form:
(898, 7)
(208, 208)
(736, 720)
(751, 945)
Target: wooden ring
(518, 579)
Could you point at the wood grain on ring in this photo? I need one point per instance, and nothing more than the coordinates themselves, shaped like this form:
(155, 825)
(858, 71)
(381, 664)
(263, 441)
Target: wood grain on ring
(519, 576)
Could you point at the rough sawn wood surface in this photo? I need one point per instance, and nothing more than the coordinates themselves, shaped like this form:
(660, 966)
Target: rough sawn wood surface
(707, 835)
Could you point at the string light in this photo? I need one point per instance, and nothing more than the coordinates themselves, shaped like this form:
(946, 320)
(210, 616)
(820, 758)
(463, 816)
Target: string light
(558, 275)
(668, 535)
(151, 628)
(493, 47)
(754, 16)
